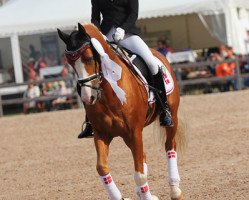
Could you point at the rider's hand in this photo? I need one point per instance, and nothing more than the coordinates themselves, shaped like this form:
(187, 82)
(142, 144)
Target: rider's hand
(119, 34)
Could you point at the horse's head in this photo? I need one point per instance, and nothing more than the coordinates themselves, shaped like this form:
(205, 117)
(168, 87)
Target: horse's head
(83, 58)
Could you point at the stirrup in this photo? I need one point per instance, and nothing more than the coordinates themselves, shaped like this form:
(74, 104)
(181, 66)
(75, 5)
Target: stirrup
(166, 118)
(87, 132)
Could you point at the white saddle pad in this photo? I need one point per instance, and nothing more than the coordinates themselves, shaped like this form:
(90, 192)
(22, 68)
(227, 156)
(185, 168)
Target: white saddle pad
(168, 80)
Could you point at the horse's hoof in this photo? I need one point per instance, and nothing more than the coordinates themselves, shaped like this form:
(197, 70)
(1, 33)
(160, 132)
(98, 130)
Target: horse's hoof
(176, 193)
(154, 197)
(179, 198)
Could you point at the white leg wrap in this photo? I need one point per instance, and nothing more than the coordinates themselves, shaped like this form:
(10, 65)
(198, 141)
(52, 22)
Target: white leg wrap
(144, 192)
(142, 188)
(145, 173)
(111, 188)
(173, 175)
(145, 169)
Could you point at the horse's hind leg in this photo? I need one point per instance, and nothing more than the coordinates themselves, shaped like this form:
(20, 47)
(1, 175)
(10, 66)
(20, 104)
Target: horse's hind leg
(173, 174)
(102, 148)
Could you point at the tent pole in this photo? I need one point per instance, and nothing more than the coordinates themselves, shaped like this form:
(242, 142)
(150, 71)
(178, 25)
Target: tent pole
(1, 107)
(187, 32)
(16, 56)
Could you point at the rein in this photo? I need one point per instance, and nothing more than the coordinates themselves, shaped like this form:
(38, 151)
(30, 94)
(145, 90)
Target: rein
(82, 82)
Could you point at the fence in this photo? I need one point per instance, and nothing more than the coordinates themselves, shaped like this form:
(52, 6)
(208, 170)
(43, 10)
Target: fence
(41, 98)
(238, 77)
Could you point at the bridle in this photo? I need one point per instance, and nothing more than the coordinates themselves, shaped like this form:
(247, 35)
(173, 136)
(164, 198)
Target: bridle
(72, 56)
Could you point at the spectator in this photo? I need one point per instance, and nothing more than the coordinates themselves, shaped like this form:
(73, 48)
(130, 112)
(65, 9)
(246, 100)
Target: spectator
(230, 55)
(47, 90)
(60, 100)
(223, 51)
(161, 47)
(51, 60)
(40, 63)
(33, 53)
(65, 74)
(31, 69)
(31, 92)
(38, 78)
(40, 104)
(222, 70)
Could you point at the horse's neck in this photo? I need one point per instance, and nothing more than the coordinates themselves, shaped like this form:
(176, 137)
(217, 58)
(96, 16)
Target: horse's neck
(94, 32)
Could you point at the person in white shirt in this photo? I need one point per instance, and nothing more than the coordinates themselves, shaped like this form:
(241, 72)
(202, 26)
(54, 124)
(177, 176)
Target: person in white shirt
(31, 92)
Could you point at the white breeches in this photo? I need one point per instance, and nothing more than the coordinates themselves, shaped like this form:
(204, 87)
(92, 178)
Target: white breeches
(138, 46)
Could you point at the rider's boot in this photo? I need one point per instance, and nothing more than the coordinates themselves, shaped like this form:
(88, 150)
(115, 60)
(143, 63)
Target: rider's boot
(161, 97)
(88, 131)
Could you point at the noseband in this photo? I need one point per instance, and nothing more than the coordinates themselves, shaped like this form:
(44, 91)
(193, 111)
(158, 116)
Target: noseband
(72, 56)
(75, 55)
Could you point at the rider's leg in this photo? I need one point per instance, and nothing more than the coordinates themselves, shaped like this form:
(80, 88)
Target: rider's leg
(138, 46)
(87, 132)
(165, 115)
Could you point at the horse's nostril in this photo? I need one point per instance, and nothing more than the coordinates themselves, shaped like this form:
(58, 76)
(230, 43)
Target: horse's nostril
(92, 98)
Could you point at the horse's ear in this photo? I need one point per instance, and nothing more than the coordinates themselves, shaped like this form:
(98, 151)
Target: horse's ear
(81, 29)
(65, 37)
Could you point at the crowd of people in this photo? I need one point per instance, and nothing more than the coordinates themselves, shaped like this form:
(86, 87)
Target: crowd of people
(36, 62)
(225, 65)
(54, 90)
(163, 48)
(227, 68)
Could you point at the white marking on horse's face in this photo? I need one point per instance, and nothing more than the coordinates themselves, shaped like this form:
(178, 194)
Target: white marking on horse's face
(88, 95)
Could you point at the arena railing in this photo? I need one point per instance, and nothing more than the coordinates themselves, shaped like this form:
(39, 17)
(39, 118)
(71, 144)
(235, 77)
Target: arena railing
(238, 77)
(73, 94)
(176, 67)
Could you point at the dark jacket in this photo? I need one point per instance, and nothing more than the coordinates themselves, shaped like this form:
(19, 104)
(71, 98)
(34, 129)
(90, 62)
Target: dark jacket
(117, 13)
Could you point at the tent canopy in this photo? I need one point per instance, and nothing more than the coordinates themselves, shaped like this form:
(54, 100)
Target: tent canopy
(22, 17)
(26, 17)
(32, 16)
(205, 7)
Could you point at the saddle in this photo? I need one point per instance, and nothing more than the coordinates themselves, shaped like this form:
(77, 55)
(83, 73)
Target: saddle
(136, 63)
(141, 69)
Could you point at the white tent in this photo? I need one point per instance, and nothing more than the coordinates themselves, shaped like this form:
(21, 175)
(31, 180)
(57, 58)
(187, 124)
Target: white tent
(233, 28)
(24, 17)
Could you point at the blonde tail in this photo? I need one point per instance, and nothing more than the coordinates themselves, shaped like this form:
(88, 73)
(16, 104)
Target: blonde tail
(160, 135)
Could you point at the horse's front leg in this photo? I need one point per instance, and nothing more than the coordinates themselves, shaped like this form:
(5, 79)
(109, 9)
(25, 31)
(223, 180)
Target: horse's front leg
(102, 148)
(140, 177)
(173, 174)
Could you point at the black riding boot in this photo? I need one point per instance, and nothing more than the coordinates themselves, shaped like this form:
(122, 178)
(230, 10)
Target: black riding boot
(87, 132)
(161, 97)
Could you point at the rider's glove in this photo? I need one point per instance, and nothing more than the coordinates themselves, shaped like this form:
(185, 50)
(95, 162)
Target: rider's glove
(119, 34)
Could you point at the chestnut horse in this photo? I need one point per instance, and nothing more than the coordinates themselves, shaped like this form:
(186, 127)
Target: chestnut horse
(116, 103)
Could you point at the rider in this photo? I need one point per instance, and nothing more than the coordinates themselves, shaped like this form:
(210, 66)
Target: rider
(118, 23)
